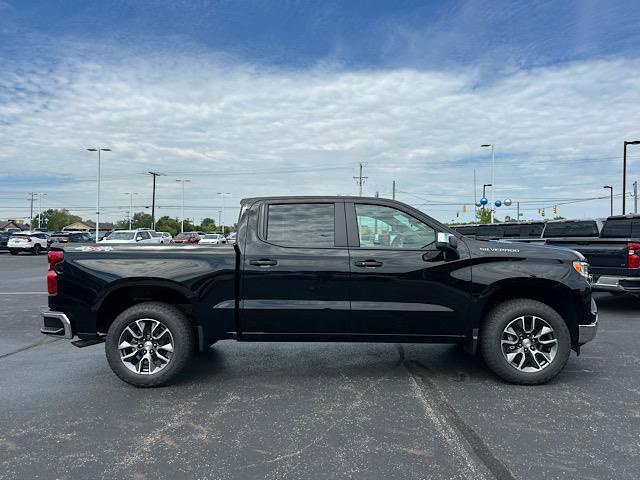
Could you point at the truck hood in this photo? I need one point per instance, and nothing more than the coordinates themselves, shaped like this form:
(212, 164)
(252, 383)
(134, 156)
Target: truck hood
(505, 248)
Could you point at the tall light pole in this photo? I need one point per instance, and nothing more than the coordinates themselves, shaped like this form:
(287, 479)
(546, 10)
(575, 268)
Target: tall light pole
(182, 180)
(131, 194)
(98, 149)
(40, 195)
(611, 189)
(493, 161)
(223, 194)
(624, 172)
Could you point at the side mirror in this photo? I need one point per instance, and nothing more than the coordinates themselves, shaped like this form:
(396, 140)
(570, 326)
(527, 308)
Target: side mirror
(446, 242)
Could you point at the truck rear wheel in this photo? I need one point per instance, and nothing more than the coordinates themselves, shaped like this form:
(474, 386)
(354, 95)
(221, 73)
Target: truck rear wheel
(149, 344)
(524, 341)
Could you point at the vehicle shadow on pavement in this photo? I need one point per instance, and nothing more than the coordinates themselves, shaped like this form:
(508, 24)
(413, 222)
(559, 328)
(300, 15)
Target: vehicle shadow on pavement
(332, 361)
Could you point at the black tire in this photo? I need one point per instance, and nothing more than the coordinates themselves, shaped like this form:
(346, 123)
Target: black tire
(183, 343)
(491, 336)
(36, 249)
(13, 252)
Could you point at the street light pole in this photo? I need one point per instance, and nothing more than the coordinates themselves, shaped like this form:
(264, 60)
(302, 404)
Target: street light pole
(40, 195)
(493, 161)
(98, 149)
(624, 172)
(131, 194)
(182, 206)
(611, 189)
(223, 194)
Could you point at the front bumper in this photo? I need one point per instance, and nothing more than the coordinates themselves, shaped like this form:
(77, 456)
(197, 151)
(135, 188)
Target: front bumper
(587, 332)
(617, 284)
(56, 324)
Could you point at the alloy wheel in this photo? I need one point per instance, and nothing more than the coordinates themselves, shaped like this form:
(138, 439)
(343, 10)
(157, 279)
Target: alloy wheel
(529, 343)
(146, 346)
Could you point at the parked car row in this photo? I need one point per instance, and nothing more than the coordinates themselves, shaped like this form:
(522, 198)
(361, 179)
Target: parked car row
(37, 241)
(612, 246)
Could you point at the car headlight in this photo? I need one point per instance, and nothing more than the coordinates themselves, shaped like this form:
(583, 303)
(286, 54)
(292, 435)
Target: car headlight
(582, 268)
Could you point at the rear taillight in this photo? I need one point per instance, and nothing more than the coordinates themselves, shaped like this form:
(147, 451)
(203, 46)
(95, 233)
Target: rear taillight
(633, 255)
(29, 239)
(55, 257)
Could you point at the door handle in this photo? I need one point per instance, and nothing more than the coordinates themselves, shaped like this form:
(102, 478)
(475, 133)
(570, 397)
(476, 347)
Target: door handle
(264, 262)
(368, 263)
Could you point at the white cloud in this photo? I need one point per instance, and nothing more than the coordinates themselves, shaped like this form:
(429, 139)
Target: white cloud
(302, 132)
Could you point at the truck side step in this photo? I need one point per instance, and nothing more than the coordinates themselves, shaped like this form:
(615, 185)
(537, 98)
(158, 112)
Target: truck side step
(88, 342)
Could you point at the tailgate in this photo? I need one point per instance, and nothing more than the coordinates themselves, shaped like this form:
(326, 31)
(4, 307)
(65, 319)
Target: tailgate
(605, 254)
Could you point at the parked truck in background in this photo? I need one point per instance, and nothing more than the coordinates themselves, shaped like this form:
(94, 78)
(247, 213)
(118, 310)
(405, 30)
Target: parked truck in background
(324, 269)
(614, 256)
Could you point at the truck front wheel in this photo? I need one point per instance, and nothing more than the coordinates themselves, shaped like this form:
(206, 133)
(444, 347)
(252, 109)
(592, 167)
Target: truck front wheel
(149, 344)
(525, 341)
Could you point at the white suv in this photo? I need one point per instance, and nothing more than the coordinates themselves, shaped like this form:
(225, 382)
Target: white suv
(34, 242)
(141, 235)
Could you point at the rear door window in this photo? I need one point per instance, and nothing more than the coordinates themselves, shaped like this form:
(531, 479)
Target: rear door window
(621, 228)
(301, 224)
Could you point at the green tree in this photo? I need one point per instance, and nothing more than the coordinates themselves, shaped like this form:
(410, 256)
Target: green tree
(483, 215)
(55, 220)
(167, 224)
(208, 225)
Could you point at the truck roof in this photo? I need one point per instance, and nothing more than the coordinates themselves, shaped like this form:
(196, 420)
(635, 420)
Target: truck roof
(329, 198)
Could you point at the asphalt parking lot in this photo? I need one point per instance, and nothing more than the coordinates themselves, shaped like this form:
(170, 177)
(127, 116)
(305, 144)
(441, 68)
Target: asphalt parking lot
(294, 411)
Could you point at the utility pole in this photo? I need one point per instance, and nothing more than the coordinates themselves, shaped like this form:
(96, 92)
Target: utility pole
(153, 199)
(518, 211)
(393, 191)
(635, 197)
(360, 180)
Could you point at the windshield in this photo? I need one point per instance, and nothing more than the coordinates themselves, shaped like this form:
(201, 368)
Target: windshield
(121, 236)
(184, 235)
(211, 237)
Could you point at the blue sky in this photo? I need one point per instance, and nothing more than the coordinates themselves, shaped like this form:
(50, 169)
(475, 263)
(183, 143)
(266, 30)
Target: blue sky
(302, 91)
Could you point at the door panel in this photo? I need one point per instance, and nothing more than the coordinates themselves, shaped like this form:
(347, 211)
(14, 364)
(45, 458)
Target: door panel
(398, 288)
(293, 288)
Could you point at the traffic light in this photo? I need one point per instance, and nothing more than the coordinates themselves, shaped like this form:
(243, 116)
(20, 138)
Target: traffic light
(542, 212)
(464, 209)
(555, 209)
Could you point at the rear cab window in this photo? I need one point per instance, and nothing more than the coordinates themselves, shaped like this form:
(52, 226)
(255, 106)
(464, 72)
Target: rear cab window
(621, 228)
(571, 229)
(301, 224)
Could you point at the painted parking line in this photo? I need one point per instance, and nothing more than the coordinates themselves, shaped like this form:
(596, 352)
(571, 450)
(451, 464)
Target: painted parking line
(24, 293)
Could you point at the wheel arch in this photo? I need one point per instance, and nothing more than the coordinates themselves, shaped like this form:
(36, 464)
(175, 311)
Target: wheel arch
(122, 295)
(555, 294)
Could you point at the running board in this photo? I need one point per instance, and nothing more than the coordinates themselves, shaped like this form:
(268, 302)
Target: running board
(87, 342)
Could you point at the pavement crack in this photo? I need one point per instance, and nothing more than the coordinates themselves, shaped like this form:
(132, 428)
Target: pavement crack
(354, 404)
(451, 426)
(33, 345)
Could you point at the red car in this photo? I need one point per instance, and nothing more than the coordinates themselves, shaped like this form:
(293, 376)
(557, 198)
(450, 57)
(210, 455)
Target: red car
(186, 237)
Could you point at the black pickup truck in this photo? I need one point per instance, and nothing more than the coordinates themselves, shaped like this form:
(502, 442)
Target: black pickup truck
(614, 256)
(324, 269)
